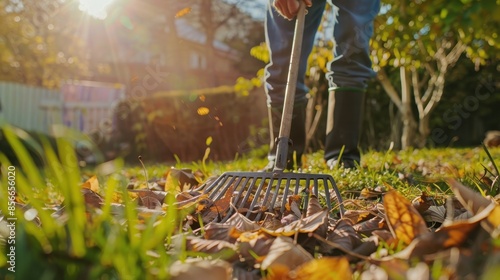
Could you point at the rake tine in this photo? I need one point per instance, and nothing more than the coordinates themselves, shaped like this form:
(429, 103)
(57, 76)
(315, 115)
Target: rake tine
(316, 188)
(276, 192)
(285, 196)
(242, 188)
(338, 197)
(256, 197)
(216, 184)
(327, 192)
(268, 191)
(297, 187)
(226, 184)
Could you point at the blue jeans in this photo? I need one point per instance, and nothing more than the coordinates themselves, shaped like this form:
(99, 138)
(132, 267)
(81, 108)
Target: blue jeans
(351, 66)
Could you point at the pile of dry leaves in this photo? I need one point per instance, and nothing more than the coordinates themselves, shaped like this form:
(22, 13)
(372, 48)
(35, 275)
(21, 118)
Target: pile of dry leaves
(387, 238)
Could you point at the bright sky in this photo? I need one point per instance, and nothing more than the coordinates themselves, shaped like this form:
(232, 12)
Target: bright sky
(95, 8)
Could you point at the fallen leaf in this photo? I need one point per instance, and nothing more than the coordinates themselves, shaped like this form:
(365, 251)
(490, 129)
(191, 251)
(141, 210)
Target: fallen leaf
(149, 198)
(254, 247)
(473, 201)
(313, 207)
(323, 269)
(231, 229)
(183, 12)
(182, 179)
(92, 184)
(343, 235)
(283, 252)
(92, 198)
(201, 269)
(357, 216)
(306, 225)
(403, 219)
(219, 247)
(367, 227)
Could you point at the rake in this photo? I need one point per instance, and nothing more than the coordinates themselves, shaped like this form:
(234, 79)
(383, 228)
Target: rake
(250, 186)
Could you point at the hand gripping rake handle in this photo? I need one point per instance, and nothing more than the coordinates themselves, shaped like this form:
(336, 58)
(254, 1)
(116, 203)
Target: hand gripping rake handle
(286, 119)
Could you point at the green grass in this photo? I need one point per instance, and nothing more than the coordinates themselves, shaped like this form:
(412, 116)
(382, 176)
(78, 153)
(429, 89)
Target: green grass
(119, 243)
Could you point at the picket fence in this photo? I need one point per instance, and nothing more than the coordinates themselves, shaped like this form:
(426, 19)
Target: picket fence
(80, 105)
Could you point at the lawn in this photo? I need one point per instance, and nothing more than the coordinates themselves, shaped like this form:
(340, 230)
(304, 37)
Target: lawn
(405, 218)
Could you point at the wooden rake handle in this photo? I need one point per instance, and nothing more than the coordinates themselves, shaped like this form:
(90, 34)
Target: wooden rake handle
(286, 118)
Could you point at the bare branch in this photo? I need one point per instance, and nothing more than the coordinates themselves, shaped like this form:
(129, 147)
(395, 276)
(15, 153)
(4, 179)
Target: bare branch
(416, 91)
(389, 88)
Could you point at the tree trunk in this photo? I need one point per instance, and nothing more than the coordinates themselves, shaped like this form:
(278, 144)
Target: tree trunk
(409, 124)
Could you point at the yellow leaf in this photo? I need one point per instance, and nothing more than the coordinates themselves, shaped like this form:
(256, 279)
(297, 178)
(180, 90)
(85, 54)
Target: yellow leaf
(202, 111)
(323, 269)
(92, 184)
(404, 220)
(183, 12)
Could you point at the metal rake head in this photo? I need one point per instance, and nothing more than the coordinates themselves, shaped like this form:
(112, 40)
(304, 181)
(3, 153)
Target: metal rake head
(270, 190)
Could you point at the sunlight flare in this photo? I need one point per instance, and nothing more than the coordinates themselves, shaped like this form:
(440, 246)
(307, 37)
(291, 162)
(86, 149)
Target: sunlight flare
(95, 8)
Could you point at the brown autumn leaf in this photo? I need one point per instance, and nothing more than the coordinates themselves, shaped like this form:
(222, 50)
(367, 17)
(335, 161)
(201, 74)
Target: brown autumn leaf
(210, 210)
(452, 234)
(313, 207)
(149, 198)
(223, 248)
(403, 219)
(367, 227)
(201, 269)
(322, 269)
(357, 216)
(492, 223)
(182, 179)
(306, 225)
(422, 202)
(343, 235)
(92, 184)
(92, 198)
(223, 204)
(284, 252)
(253, 246)
(473, 201)
(231, 229)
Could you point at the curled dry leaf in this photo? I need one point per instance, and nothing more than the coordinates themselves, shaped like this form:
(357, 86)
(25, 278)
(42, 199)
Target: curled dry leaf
(283, 252)
(403, 219)
(422, 202)
(343, 236)
(210, 210)
(357, 216)
(313, 207)
(182, 179)
(447, 236)
(306, 225)
(91, 198)
(224, 248)
(253, 247)
(201, 269)
(92, 184)
(231, 229)
(149, 198)
(470, 199)
(367, 227)
(434, 214)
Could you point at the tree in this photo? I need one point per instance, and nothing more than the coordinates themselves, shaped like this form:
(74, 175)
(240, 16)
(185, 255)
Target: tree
(423, 40)
(39, 42)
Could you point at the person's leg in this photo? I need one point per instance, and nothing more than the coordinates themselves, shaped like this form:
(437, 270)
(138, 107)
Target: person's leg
(279, 37)
(348, 75)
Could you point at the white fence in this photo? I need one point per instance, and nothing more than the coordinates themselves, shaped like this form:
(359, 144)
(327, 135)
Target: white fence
(81, 105)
